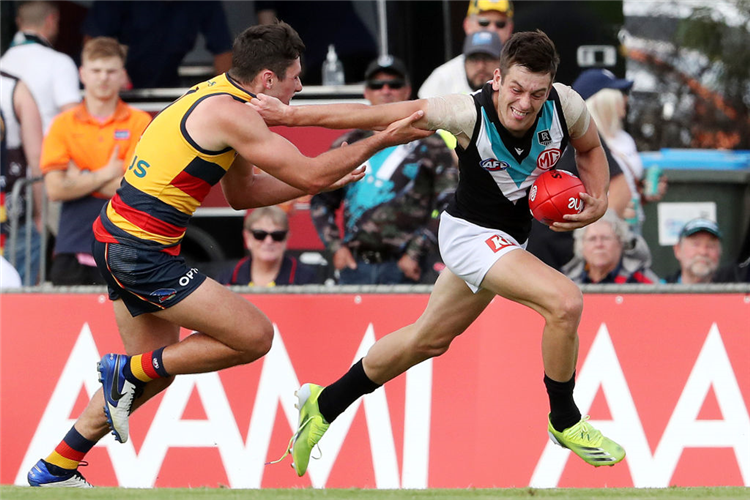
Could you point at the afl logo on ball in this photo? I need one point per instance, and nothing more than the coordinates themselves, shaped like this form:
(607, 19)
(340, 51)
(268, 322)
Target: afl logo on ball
(532, 193)
(548, 158)
(492, 165)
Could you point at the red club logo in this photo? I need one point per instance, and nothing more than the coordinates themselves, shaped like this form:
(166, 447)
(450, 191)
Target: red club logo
(548, 158)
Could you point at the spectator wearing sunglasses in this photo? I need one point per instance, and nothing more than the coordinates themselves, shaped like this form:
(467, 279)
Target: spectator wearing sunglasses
(389, 216)
(483, 15)
(266, 232)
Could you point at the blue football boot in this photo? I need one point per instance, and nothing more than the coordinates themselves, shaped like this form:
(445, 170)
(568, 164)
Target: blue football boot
(40, 475)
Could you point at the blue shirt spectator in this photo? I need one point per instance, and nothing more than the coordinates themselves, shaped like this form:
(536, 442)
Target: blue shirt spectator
(159, 34)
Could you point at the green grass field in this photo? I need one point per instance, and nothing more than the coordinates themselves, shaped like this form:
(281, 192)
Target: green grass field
(22, 493)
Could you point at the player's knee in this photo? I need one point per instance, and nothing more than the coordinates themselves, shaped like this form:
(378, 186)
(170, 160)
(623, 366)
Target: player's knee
(265, 340)
(258, 343)
(568, 306)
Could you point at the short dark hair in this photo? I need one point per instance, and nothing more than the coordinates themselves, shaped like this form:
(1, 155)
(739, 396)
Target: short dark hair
(265, 46)
(33, 14)
(531, 49)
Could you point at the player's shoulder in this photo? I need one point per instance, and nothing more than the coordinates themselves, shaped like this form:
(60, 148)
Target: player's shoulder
(566, 93)
(224, 107)
(450, 103)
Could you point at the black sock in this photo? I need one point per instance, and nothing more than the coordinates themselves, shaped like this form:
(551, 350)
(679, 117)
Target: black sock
(563, 410)
(56, 470)
(339, 395)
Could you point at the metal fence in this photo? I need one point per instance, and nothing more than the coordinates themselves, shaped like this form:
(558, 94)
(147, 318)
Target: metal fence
(612, 289)
(20, 188)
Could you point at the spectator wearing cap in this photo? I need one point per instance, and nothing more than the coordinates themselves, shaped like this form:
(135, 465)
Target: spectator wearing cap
(482, 15)
(386, 80)
(481, 56)
(606, 99)
(390, 216)
(698, 251)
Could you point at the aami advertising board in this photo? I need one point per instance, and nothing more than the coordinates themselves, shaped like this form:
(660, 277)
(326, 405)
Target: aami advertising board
(665, 375)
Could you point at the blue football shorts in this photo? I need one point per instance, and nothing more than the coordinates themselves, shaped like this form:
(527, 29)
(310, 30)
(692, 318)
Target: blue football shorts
(147, 280)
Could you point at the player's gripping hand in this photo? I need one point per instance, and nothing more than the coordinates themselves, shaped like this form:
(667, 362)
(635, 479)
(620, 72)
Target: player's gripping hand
(403, 130)
(353, 176)
(272, 110)
(593, 209)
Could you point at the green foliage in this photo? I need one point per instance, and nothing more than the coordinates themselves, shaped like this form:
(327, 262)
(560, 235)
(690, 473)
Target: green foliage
(721, 43)
(702, 98)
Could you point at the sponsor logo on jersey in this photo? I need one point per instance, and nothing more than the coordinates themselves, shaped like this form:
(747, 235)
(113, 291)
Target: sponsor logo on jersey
(123, 134)
(164, 294)
(544, 138)
(493, 165)
(497, 243)
(548, 158)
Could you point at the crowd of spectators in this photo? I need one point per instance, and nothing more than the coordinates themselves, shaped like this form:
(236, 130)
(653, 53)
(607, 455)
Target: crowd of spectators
(387, 234)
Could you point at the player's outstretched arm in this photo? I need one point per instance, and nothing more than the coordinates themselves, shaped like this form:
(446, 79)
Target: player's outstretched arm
(244, 187)
(244, 130)
(594, 173)
(337, 116)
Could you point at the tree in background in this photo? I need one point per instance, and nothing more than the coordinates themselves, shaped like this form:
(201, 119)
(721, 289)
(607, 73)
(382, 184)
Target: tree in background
(700, 64)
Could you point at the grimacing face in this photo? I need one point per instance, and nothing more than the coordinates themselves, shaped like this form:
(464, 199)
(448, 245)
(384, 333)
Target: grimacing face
(519, 97)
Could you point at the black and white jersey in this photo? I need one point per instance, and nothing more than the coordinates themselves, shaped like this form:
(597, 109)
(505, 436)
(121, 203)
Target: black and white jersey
(497, 169)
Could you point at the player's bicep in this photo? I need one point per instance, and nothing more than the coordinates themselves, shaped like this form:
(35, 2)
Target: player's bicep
(588, 140)
(270, 152)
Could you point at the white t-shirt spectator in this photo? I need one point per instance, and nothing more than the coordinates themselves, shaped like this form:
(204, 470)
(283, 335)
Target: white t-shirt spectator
(448, 78)
(51, 76)
(9, 277)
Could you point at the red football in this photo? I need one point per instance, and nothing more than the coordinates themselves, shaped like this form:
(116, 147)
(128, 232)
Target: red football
(554, 194)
